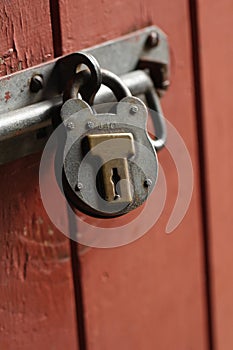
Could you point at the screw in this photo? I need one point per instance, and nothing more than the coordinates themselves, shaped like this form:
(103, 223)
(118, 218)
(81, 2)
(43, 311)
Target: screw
(133, 109)
(147, 182)
(90, 125)
(70, 126)
(36, 83)
(153, 39)
(79, 186)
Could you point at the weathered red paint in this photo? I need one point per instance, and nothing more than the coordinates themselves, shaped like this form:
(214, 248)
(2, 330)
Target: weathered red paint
(7, 96)
(149, 294)
(25, 34)
(216, 52)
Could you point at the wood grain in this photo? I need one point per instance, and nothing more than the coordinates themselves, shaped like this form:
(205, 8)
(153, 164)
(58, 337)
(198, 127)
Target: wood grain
(36, 292)
(25, 34)
(37, 308)
(149, 294)
(216, 54)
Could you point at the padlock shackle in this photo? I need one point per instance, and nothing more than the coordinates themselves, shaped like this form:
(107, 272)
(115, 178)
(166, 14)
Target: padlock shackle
(82, 83)
(153, 103)
(76, 85)
(116, 84)
(68, 67)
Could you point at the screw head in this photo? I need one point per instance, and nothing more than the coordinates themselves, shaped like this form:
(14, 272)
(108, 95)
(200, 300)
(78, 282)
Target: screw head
(36, 83)
(133, 109)
(153, 39)
(79, 186)
(148, 182)
(70, 126)
(90, 125)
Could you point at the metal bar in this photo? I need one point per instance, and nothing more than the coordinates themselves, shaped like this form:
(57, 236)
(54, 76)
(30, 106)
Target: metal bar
(39, 114)
(30, 118)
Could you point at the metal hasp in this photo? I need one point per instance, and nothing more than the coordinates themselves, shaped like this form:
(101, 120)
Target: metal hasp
(30, 98)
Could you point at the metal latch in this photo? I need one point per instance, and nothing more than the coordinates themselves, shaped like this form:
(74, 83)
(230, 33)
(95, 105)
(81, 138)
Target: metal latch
(30, 98)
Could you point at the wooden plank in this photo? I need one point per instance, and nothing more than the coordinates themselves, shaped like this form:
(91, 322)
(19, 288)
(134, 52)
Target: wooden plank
(25, 35)
(216, 55)
(96, 17)
(36, 288)
(149, 294)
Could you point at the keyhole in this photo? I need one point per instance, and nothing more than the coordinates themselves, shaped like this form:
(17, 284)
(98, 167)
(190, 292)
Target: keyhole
(115, 179)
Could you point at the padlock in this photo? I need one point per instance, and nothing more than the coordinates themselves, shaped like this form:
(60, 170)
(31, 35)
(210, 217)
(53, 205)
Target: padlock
(110, 164)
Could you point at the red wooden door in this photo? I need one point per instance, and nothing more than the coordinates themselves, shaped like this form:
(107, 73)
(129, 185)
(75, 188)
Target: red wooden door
(216, 107)
(151, 294)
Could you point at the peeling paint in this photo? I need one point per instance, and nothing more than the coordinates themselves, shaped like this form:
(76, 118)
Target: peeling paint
(7, 96)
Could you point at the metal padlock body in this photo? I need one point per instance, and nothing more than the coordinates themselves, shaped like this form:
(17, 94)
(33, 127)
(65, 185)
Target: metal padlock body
(79, 177)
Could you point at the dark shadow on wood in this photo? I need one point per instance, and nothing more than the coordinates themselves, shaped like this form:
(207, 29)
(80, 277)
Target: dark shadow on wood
(77, 278)
(193, 8)
(56, 27)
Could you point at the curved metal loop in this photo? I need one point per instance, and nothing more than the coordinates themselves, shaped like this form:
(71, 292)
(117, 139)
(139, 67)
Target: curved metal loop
(90, 81)
(82, 82)
(87, 83)
(77, 84)
(115, 83)
(153, 103)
